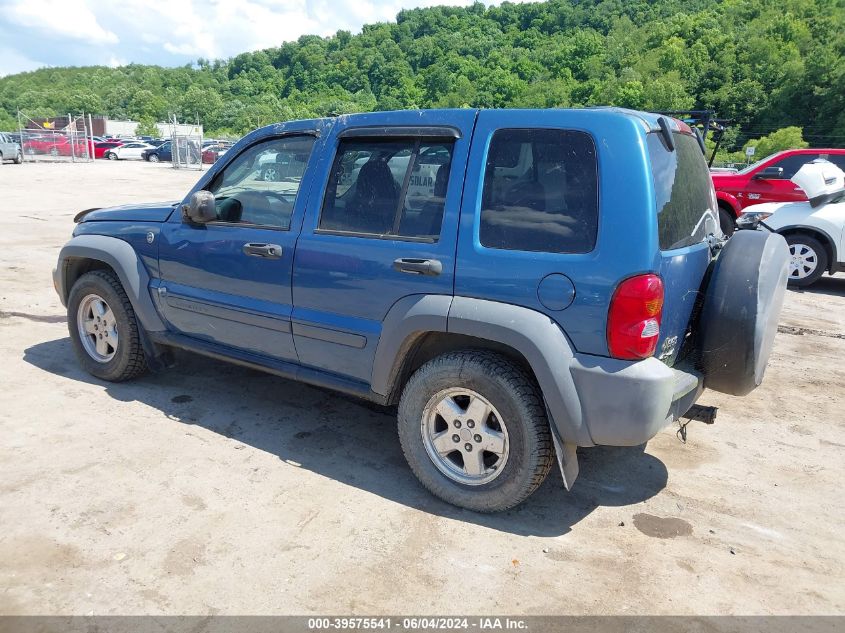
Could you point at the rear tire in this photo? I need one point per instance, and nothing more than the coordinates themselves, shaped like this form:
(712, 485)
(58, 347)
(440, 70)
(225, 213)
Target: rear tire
(18, 158)
(511, 423)
(808, 260)
(727, 221)
(108, 347)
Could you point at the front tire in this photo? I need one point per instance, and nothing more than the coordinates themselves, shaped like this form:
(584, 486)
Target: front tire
(103, 328)
(727, 221)
(503, 450)
(808, 260)
(111, 156)
(153, 158)
(18, 158)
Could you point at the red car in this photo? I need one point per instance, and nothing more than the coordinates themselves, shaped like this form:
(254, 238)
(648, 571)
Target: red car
(57, 146)
(100, 149)
(767, 180)
(211, 153)
(79, 148)
(43, 144)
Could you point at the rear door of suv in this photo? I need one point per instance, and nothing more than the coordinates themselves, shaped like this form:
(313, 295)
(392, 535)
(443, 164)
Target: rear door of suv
(558, 209)
(687, 213)
(532, 233)
(380, 226)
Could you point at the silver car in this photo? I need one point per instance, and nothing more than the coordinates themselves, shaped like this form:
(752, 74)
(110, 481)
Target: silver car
(9, 150)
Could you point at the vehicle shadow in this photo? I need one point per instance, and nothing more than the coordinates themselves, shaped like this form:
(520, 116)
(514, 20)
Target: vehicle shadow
(352, 441)
(826, 285)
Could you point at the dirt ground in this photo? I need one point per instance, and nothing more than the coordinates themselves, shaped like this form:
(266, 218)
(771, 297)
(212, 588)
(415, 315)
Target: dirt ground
(216, 489)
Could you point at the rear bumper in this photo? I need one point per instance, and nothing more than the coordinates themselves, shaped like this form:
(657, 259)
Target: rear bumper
(626, 403)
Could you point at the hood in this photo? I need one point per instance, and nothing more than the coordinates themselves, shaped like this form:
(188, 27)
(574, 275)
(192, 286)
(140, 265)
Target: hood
(771, 207)
(150, 212)
(821, 181)
(726, 179)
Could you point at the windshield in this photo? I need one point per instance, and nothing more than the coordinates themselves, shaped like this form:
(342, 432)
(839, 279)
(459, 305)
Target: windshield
(754, 166)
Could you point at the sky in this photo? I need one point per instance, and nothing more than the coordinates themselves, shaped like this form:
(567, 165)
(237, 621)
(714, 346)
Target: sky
(38, 33)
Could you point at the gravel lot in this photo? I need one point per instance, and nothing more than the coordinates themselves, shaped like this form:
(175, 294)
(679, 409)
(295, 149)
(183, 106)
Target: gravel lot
(216, 489)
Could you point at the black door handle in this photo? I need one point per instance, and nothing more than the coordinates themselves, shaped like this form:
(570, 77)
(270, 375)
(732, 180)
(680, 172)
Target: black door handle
(418, 266)
(271, 251)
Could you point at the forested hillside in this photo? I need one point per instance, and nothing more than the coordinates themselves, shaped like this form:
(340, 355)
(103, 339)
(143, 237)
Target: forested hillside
(765, 63)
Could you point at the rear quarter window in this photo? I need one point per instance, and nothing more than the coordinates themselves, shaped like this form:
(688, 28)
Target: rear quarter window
(540, 191)
(683, 190)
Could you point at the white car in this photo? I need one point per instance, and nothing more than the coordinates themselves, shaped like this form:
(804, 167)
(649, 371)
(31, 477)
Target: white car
(814, 229)
(129, 151)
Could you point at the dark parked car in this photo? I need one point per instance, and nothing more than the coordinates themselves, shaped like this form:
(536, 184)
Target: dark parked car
(160, 153)
(563, 283)
(164, 152)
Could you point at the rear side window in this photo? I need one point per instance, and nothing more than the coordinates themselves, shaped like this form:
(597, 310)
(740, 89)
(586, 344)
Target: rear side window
(683, 190)
(383, 187)
(836, 159)
(791, 164)
(540, 191)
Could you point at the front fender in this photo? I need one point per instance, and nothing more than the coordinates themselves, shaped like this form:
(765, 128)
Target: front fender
(123, 259)
(731, 201)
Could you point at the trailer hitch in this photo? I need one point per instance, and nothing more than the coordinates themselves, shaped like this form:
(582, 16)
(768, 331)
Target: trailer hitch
(698, 413)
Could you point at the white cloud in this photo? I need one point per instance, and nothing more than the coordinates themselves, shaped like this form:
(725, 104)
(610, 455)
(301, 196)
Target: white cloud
(173, 32)
(13, 62)
(62, 18)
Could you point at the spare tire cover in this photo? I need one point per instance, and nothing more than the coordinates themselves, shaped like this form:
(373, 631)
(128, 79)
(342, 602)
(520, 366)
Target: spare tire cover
(741, 308)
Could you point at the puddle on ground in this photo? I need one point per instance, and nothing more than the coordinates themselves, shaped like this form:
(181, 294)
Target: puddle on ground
(658, 527)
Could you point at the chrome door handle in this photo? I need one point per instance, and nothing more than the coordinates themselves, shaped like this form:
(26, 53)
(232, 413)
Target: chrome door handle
(270, 251)
(412, 266)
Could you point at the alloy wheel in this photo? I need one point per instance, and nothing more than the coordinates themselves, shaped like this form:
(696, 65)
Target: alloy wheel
(97, 327)
(464, 436)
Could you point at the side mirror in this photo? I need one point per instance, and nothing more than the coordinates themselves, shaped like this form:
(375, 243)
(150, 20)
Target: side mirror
(200, 208)
(774, 173)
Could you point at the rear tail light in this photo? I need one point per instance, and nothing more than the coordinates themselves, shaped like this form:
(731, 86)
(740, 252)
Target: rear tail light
(633, 320)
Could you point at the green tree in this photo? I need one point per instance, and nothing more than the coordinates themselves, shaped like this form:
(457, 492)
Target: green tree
(147, 127)
(764, 64)
(786, 138)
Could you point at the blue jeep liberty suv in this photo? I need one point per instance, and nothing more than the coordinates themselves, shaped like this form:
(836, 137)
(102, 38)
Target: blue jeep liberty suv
(519, 282)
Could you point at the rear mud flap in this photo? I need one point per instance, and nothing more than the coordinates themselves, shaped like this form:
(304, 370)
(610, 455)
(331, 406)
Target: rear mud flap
(567, 459)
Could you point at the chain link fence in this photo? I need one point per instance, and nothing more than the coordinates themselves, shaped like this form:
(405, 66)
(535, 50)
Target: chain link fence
(56, 139)
(186, 144)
